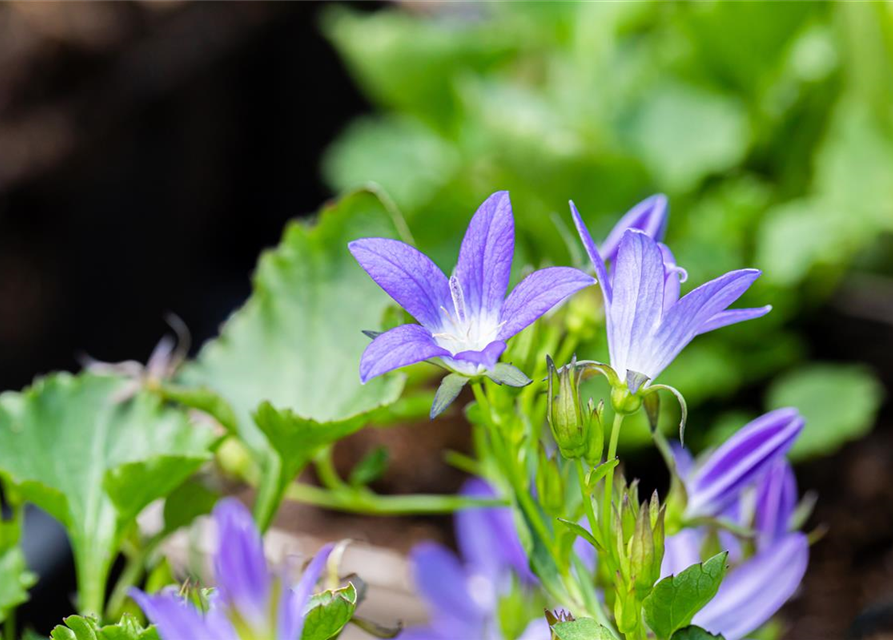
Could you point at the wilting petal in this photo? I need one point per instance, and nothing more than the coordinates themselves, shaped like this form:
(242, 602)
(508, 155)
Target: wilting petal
(601, 273)
(294, 601)
(536, 294)
(681, 551)
(178, 620)
(441, 580)
(637, 304)
(240, 566)
(752, 593)
(649, 216)
(776, 502)
(407, 275)
(733, 316)
(741, 460)
(399, 347)
(682, 322)
(486, 357)
(488, 539)
(485, 259)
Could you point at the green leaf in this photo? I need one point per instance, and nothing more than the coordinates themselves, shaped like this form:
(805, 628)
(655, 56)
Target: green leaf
(694, 633)
(582, 532)
(509, 375)
(297, 341)
(581, 629)
(447, 392)
(94, 462)
(15, 580)
(329, 612)
(186, 503)
(676, 599)
(370, 468)
(80, 628)
(839, 403)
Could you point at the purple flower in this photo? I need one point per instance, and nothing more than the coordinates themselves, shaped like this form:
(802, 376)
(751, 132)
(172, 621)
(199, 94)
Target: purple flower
(753, 592)
(463, 320)
(776, 503)
(648, 323)
(249, 598)
(462, 593)
(741, 461)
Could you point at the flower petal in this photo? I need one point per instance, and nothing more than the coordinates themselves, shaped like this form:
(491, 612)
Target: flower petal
(294, 601)
(485, 259)
(488, 539)
(681, 551)
(776, 502)
(536, 294)
(407, 275)
(399, 347)
(240, 566)
(601, 272)
(741, 460)
(441, 580)
(649, 216)
(486, 357)
(637, 304)
(178, 620)
(682, 322)
(752, 593)
(733, 316)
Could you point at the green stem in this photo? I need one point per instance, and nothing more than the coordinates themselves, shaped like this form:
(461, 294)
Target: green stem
(325, 469)
(609, 479)
(366, 502)
(130, 576)
(269, 493)
(587, 499)
(593, 605)
(91, 580)
(9, 627)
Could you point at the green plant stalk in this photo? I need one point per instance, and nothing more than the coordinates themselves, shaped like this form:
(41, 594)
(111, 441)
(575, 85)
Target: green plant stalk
(269, 493)
(9, 627)
(609, 478)
(133, 571)
(366, 502)
(92, 577)
(587, 499)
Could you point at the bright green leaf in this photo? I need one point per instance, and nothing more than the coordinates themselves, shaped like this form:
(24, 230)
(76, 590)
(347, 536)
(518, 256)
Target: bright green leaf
(329, 612)
(79, 628)
(73, 448)
(676, 599)
(297, 342)
(15, 580)
(839, 403)
(581, 629)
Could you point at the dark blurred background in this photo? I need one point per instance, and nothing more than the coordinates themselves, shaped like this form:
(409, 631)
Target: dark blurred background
(148, 153)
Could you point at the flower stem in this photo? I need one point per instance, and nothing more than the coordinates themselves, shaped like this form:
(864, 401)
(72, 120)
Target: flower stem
(587, 499)
(609, 479)
(370, 503)
(132, 573)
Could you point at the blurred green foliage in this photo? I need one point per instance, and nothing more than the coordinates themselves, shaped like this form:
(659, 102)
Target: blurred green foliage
(769, 125)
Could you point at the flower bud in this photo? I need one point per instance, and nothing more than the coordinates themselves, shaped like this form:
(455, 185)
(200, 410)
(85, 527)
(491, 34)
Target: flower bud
(568, 419)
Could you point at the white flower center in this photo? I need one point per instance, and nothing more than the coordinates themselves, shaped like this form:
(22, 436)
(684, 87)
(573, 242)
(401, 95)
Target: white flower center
(462, 332)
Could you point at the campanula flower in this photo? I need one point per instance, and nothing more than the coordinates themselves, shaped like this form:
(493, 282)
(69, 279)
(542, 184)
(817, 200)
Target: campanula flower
(648, 323)
(763, 497)
(250, 601)
(464, 320)
(462, 593)
(741, 461)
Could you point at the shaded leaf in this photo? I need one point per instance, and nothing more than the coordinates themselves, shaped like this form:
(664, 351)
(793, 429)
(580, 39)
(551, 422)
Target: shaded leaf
(329, 612)
(694, 633)
(447, 392)
(509, 375)
(676, 599)
(370, 468)
(581, 629)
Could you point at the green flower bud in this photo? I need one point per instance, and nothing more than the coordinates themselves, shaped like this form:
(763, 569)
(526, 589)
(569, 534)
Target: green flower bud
(569, 421)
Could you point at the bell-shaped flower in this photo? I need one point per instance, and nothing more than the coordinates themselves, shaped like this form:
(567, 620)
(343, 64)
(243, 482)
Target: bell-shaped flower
(776, 503)
(740, 462)
(648, 323)
(462, 593)
(754, 591)
(250, 601)
(464, 320)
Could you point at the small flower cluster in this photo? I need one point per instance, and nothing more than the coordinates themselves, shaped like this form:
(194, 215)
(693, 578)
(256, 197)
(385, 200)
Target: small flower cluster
(741, 498)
